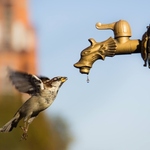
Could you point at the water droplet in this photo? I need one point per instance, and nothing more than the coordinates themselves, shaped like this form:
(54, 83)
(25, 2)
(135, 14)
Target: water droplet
(88, 80)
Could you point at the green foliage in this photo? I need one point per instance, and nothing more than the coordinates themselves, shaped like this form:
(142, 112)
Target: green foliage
(43, 134)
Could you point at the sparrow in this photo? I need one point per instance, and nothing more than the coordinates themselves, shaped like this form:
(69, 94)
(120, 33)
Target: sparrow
(42, 91)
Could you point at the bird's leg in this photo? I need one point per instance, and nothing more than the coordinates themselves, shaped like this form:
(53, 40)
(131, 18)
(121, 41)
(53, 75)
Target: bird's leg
(25, 130)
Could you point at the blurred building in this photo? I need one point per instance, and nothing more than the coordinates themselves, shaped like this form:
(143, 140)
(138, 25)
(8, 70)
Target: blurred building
(17, 40)
(18, 51)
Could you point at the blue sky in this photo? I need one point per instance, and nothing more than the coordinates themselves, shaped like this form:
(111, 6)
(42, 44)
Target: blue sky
(112, 111)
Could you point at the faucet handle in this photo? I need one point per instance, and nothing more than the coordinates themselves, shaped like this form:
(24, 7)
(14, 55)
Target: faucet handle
(101, 26)
(120, 28)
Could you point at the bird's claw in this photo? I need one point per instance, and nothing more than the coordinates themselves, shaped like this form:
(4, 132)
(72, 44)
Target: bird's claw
(24, 135)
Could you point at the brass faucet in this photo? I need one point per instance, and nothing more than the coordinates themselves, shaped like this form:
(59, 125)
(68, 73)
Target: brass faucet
(120, 44)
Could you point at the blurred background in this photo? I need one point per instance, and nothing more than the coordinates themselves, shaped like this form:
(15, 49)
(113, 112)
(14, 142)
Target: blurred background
(111, 112)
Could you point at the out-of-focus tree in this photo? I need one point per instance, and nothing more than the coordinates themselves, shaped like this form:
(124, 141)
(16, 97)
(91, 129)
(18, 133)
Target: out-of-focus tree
(62, 134)
(44, 133)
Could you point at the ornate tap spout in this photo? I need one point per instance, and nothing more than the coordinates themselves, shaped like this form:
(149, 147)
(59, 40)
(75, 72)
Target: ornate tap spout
(120, 44)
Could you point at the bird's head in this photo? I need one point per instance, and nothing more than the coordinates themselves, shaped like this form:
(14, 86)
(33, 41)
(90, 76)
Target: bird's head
(54, 82)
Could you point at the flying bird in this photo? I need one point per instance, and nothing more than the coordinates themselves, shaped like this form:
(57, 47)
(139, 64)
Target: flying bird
(42, 90)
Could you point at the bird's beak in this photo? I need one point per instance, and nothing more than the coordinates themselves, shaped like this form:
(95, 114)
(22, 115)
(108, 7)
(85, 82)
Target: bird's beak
(63, 79)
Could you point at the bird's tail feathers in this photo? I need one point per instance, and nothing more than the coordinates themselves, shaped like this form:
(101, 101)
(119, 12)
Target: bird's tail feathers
(11, 124)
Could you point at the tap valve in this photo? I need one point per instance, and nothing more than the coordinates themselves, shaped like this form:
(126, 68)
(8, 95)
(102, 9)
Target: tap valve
(121, 44)
(120, 28)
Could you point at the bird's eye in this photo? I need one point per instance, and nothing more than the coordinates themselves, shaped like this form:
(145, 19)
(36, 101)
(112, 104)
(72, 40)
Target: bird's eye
(55, 79)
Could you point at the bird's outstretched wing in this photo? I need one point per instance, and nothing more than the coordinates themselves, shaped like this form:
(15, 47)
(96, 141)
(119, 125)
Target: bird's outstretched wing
(24, 82)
